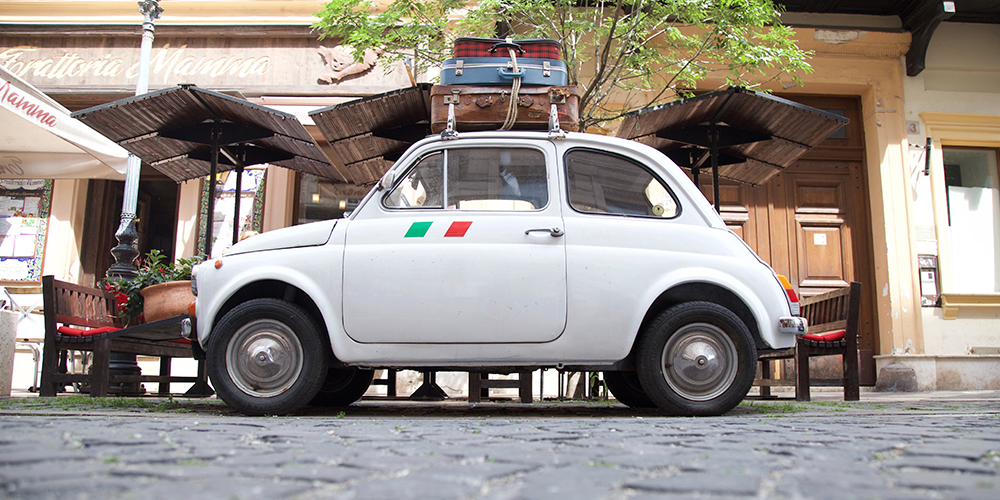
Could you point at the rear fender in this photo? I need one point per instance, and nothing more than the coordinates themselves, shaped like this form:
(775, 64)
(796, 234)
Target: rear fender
(654, 301)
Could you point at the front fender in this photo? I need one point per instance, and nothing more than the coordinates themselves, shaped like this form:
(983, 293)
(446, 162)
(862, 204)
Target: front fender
(320, 282)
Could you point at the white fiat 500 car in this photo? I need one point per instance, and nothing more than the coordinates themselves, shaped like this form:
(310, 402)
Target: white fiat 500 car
(500, 251)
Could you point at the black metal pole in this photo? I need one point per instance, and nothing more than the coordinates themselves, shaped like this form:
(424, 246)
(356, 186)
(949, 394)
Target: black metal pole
(216, 132)
(927, 156)
(239, 194)
(714, 142)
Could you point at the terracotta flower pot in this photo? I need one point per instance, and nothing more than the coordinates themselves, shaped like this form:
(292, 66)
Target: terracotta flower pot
(166, 300)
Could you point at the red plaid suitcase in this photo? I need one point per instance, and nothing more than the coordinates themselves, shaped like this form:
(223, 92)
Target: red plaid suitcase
(534, 48)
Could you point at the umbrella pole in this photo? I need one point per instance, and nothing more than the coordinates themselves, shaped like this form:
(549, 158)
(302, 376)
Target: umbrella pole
(239, 194)
(216, 132)
(713, 138)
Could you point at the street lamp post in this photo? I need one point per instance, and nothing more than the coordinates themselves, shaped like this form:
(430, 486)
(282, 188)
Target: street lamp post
(126, 252)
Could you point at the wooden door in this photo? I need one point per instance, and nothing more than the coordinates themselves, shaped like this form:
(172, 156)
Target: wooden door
(811, 223)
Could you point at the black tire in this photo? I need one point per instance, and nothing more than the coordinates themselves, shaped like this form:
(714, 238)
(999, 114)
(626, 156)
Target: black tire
(267, 357)
(696, 359)
(627, 390)
(343, 386)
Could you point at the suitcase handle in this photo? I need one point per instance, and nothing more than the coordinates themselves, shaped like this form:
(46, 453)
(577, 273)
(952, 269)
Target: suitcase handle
(507, 45)
(505, 73)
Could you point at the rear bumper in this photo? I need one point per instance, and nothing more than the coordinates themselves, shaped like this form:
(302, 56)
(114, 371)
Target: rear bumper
(793, 325)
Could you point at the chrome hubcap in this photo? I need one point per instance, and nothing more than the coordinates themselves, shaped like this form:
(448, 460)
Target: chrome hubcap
(699, 362)
(264, 358)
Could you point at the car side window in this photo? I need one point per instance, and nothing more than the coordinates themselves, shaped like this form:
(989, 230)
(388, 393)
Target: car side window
(422, 187)
(602, 183)
(496, 179)
(476, 179)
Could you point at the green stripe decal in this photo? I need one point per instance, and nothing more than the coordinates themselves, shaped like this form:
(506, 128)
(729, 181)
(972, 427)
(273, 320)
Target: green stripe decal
(418, 230)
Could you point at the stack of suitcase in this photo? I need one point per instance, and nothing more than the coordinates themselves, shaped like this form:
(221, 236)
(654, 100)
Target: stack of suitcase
(481, 76)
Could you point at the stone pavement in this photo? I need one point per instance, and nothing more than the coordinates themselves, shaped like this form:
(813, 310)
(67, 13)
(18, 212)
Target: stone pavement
(896, 446)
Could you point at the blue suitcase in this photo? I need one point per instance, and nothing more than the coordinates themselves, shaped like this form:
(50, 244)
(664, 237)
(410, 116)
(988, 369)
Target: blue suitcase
(500, 71)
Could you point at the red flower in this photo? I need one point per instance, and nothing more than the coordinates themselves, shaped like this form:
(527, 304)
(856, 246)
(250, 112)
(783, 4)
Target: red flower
(121, 299)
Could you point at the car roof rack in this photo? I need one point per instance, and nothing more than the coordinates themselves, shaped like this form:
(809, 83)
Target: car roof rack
(450, 131)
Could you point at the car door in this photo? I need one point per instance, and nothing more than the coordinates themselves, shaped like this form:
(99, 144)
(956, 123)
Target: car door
(466, 247)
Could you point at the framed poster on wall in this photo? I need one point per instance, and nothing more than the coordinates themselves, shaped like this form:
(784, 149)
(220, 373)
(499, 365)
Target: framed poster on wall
(24, 217)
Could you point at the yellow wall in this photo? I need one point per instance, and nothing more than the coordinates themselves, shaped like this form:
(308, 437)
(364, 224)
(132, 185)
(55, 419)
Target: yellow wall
(871, 66)
(64, 236)
(188, 207)
(279, 198)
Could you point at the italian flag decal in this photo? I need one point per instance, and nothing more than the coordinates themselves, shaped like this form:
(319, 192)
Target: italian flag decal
(457, 229)
(418, 230)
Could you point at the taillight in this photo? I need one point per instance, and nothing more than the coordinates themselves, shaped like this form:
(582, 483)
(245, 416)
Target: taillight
(792, 296)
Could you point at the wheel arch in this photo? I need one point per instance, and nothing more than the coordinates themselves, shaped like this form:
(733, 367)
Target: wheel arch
(275, 289)
(698, 291)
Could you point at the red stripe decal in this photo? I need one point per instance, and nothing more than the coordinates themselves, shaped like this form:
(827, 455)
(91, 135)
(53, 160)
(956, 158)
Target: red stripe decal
(457, 229)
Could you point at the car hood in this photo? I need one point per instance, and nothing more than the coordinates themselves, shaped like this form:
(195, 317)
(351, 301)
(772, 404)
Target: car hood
(306, 235)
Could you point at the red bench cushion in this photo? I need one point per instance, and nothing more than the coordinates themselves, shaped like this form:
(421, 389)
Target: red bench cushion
(76, 332)
(826, 337)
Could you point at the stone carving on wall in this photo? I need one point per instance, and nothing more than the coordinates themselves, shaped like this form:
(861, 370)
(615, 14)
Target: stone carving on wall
(339, 63)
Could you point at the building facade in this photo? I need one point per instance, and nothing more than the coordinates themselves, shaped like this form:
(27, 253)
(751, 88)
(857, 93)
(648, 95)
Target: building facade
(857, 208)
(952, 112)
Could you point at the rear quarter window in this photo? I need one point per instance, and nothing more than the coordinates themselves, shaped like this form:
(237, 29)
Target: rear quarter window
(609, 184)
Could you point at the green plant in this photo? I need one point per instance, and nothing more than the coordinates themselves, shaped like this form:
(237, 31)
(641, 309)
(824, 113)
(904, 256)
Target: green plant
(153, 270)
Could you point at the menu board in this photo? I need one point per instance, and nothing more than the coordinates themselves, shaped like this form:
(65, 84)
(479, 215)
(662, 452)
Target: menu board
(24, 215)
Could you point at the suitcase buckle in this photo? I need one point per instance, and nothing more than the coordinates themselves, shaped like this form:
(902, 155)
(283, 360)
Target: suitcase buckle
(459, 67)
(546, 69)
(557, 96)
(454, 98)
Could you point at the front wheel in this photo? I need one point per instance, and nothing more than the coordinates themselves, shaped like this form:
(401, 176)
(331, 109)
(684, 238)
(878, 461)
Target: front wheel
(697, 358)
(266, 357)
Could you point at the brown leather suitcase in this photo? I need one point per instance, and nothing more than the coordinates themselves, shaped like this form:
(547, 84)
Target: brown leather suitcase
(485, 108)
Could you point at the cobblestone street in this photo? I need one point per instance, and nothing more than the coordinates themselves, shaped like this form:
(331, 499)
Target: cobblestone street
(886, 446)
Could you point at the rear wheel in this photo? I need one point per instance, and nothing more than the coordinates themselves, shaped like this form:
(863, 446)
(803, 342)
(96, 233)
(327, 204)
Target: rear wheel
(343, 386)
(266, 356)
(627, 390)
(697, 358)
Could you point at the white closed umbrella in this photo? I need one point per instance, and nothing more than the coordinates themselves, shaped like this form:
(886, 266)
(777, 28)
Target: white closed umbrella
(40, 140)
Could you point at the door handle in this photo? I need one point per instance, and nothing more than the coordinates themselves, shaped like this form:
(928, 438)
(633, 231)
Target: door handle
(553, 231)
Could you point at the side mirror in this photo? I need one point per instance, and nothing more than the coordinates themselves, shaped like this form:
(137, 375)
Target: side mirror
(386, 182)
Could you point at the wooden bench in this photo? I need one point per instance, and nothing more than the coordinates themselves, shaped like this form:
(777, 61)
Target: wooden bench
(73, 312)
(828, 312)
(480, 384)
